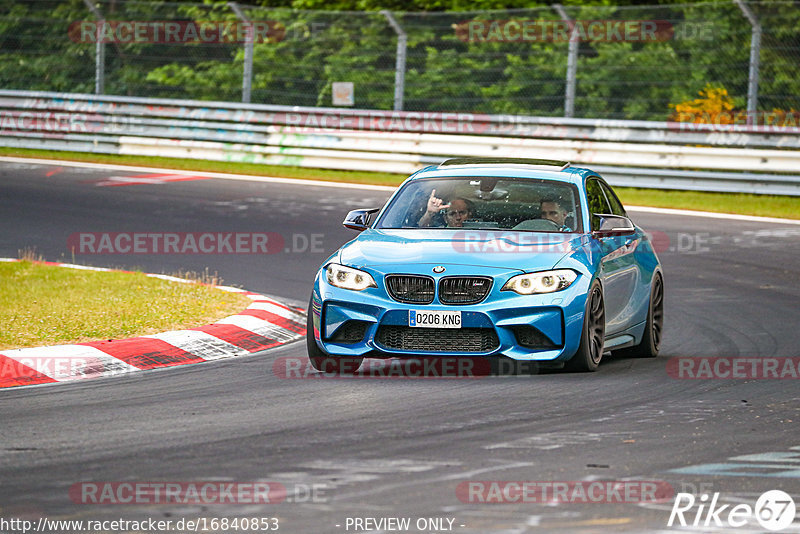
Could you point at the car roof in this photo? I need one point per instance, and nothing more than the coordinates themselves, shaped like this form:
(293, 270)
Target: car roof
(506, 168)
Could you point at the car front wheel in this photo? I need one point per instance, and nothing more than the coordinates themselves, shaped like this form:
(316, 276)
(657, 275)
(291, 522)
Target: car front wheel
(590, 350)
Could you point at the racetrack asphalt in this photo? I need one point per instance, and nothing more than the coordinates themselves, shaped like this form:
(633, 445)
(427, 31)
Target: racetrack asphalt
(378, 448)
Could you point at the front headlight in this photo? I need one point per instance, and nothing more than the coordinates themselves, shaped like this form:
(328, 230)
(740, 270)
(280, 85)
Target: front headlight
(348, 278)
(543, 282)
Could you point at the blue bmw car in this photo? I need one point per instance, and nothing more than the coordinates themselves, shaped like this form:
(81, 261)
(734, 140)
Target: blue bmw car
(526, 259)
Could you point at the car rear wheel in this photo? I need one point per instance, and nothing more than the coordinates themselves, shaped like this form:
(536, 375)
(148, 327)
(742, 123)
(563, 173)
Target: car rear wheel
(590, 350)
(321, 360)
(651, 339)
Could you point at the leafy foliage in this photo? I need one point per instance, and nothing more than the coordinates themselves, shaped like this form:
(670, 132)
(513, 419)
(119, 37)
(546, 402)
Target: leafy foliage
(315, 43)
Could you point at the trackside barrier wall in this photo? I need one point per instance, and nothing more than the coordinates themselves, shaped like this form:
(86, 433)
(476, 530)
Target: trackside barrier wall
(735, 158)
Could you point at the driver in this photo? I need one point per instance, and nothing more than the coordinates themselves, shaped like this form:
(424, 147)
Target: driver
(553, 210)
(458, 211)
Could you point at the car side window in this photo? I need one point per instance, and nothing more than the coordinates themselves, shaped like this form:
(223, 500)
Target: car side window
(597, 202)
(613, 201)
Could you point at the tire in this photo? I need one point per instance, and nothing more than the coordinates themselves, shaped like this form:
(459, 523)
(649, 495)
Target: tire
(651, 339)
(590, 350)
(321, 360)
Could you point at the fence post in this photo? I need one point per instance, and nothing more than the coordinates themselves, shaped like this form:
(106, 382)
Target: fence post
(572, 63)
(755, 59)
(400, 66)
(99, 49)
(247, 74)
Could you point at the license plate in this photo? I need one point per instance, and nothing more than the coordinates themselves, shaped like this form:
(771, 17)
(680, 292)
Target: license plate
(434, 319)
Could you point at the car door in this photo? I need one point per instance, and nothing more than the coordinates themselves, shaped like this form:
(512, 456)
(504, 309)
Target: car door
(618, 272)
(635, 310)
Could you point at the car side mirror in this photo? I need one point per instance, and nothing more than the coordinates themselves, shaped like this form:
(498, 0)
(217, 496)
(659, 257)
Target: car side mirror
(359, 220)
(613, 225)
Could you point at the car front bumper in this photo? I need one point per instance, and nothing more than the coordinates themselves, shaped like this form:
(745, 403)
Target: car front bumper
(369, 323)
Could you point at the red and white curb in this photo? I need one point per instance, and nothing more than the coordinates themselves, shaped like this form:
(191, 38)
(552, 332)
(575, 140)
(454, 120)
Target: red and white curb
(264, 324)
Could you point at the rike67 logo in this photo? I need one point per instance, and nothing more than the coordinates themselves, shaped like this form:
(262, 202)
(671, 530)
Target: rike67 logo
(774, 510)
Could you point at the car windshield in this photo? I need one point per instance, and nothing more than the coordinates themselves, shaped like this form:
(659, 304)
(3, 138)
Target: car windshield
(486, 203)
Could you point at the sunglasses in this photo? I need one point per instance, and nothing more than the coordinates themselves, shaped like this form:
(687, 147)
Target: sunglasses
(459, 212)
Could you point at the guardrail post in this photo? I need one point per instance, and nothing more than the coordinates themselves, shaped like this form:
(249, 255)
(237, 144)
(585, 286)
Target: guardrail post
(572, 63)
(99, 49)
(247, 74)
(755, 59)
(400, 66)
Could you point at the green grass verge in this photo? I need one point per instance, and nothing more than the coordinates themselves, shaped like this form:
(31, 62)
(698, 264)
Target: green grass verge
(740, 203)
(49, 305)
(744, 204)
(282, 171)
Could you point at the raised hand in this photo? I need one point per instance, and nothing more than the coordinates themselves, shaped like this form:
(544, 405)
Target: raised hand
(435, 204)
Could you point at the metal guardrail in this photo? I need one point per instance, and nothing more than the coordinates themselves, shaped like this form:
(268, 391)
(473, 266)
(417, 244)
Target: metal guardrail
(631, 153)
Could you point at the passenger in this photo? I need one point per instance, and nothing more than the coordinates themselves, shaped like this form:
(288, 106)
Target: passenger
(457, 211)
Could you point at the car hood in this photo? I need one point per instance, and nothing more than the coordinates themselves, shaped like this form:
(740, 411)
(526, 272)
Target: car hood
(504, 249)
